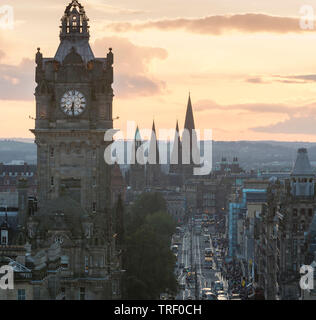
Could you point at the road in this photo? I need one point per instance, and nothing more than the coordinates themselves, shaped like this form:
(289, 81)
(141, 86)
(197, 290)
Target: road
(194, 260)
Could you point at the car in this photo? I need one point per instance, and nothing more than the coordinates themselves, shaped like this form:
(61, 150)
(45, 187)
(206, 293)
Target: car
(209, 296)
(221, 297)
(220, 292)
(218, 286)
(189, 298)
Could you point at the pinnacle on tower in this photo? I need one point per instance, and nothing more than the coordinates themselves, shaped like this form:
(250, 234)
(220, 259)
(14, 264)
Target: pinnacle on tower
(74, 33)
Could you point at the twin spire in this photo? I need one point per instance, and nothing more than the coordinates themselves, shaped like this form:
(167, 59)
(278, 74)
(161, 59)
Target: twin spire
(176, 155)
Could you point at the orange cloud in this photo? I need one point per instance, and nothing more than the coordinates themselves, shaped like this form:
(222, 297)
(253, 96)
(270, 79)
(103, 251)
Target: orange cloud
(216, 25)
(132, 73)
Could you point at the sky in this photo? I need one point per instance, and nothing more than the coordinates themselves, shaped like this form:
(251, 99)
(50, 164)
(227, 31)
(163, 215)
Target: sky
(249, 66)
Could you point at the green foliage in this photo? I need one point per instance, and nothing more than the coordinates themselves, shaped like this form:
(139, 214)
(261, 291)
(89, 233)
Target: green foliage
(148, 260)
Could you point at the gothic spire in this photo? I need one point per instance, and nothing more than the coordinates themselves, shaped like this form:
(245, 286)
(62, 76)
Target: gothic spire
(189, 119)
(176, 155)
(153, 156)
(136, 144)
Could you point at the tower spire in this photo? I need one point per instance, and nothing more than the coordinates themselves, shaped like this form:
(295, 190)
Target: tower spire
(176, 155)
(74, 33)
(153, 155)
(189, 119)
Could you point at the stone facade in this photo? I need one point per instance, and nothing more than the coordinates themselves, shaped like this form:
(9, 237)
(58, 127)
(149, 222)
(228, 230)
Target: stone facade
(69, 229)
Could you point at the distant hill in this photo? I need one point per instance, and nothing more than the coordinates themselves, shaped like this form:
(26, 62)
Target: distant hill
(251, 154)
(16, 150)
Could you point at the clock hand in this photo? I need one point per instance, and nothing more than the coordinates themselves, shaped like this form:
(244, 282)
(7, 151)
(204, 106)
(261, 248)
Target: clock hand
(73, 108)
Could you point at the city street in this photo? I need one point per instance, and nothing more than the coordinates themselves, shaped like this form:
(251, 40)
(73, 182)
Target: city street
(191, 258)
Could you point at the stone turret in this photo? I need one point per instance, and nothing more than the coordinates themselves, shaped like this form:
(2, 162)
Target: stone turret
(302, 176)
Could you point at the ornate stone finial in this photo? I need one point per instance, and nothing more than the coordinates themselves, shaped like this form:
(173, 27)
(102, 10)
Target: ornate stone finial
(39, 58)
(110, 57)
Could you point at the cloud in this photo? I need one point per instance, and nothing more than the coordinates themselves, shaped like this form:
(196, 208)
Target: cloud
(288, 79)
(300, 120)
(16, 81)
(2, 55)
(219, 24)
(109, 9)
(257, 80)
(132, 76)
(208, 105)
(294, 125)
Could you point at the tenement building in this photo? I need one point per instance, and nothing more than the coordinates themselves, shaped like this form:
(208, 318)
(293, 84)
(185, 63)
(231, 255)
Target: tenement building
(281, 233)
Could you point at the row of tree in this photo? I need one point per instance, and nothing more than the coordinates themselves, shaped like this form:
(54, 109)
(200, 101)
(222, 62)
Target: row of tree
(145, 241)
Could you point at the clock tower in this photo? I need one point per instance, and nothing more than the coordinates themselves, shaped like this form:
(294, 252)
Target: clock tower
(73, 111)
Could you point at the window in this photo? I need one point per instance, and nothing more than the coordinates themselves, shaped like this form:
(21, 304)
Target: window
(52, 181)
(4, 237)
(21, 294)
(94, 207)
(64, 262)
(86, 264)
(82, 295)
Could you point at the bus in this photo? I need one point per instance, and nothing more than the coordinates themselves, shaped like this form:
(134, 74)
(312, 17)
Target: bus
(208, 252)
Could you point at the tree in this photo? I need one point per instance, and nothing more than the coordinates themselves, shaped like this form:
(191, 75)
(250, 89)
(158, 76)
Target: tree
(147, 259)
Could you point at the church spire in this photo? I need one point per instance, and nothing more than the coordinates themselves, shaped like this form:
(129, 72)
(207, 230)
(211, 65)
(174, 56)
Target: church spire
(176, 155)
(136, 144)
(153, 156)
(189, 119)
(189, 140)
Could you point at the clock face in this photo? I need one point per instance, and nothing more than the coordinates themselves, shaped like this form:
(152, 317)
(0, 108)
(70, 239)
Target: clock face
(73, 103)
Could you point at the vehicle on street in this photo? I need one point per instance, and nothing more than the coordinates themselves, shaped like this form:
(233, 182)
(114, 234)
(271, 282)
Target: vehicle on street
(218, 286)
(190, 276)
(209, 296)
(186, 269)
(208, 252)
(222, 297)
(234, 296)
(181, 265)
